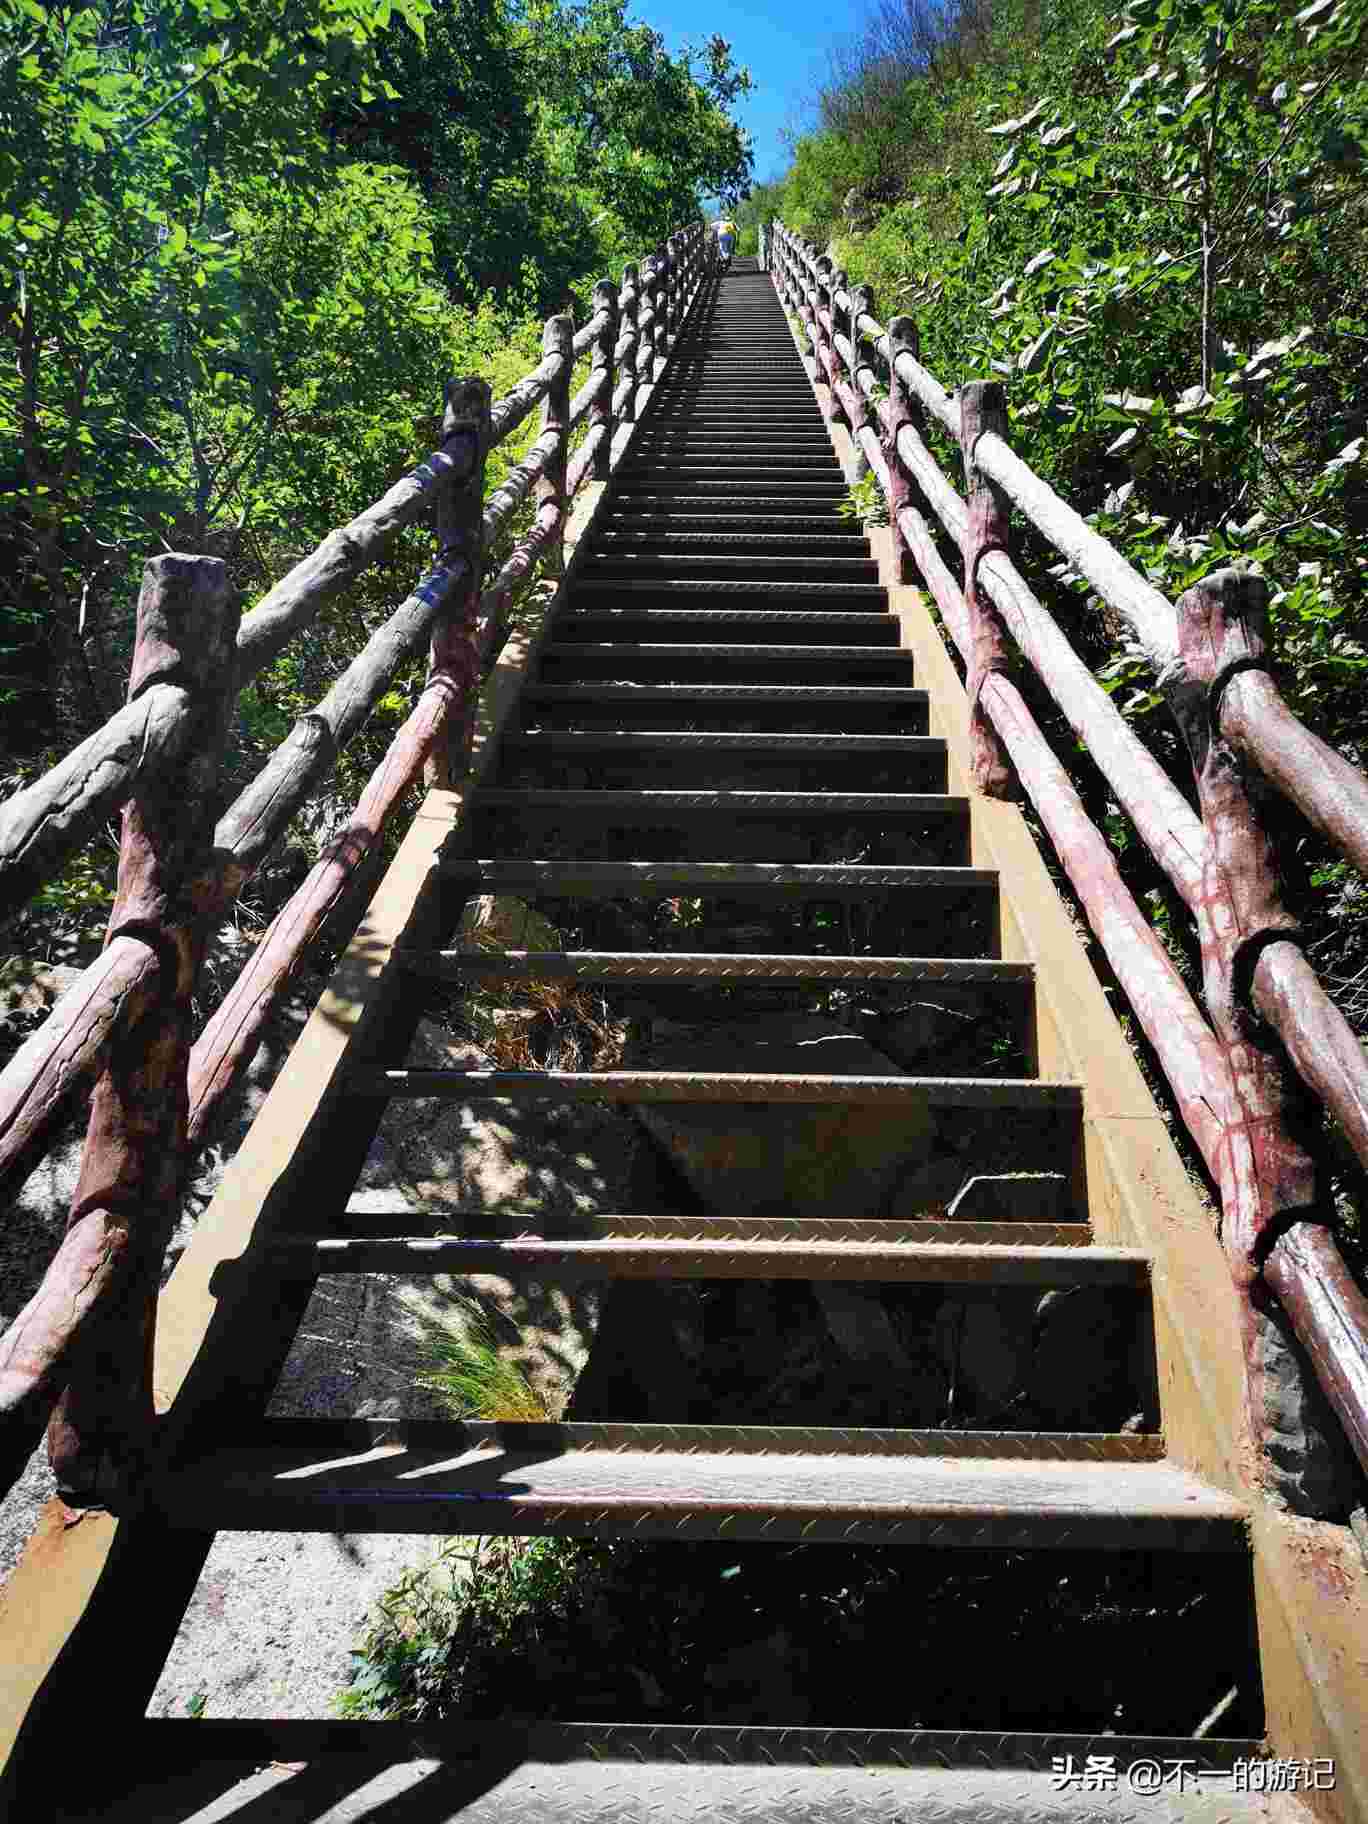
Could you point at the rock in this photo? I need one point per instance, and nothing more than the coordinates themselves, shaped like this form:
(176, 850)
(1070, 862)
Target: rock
(1012, 1197)
(755, 1160)
(1308, 1469)
(1082, 1374)
(500, 922)
(860, 211)
(755, 1683)
(860, 1324)
(28, 986)
(994, 1347)
(915, 1036)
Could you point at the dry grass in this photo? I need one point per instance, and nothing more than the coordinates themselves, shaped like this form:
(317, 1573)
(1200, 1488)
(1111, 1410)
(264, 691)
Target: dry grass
(553, 1025)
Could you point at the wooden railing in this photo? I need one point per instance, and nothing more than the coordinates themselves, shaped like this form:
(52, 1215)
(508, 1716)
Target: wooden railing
(78, 1355)
(1249, 1074)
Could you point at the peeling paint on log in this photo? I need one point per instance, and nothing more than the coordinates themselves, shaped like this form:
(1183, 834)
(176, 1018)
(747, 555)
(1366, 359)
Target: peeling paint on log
(460, 541)
(90, 1321)
(983, 410)
(903, 408)
(1220, 623)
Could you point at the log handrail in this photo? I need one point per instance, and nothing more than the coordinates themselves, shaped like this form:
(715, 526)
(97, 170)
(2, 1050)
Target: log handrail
(1277, 1233)
(144, 754)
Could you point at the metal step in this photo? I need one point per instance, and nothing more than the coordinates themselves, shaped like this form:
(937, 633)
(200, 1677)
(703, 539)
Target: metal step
(731, 591)
(647, 566)
(621, 967)
(822, 708)
(663, 536)
(971, 1490)
(623, 1257)
(1015, 1234)
(818, 474)
(732, 880)
(715, 825)
(608, 661)
(645, 503)
(706, 485)
(675, 741)
(646, 626)
(725, 1087)
(645, 1773)
(719, 439)
(615, 758)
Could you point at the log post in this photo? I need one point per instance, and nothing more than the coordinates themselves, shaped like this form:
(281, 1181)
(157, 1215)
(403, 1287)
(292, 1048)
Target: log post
(672, 288)
(1273, 1239)
(983, 407)
(838, 282)
(460, 539)
(90, 1323)
(810, 290)
(861, 303)
(555, 416)
(628, 304)
(904, 407)
(826, 353)
(659, 316)
(605, 348)
(645, 329)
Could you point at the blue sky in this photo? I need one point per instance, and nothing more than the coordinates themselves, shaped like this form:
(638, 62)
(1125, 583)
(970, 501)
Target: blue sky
(782, 44)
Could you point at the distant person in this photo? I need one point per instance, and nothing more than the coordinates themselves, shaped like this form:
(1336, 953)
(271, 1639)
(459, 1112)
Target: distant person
(726, 237)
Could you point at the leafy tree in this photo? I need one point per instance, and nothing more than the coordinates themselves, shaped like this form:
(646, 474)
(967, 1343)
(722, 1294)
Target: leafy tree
(1152, 226)
(118, 122)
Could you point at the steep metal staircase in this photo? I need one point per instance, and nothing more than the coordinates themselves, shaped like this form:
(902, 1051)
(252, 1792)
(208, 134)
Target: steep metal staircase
(726, 688)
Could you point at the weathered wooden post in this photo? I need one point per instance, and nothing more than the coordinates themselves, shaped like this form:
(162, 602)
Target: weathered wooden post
(1277, 1244)
(555, 416)
(460, 539)
(823, 318)
(660, 346)
(624, 401)
(672, 275)
(860, 301)
(837, 283)
(983, 407)
(904, 407)
(90, 1323)
(645, 365)
(601, 412)
(763, 249)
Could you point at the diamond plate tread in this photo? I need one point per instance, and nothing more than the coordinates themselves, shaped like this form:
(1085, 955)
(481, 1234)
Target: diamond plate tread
(634, 1258)
(735, 502)
(785, 804)
(684, 965)
(646, 621)
(794, 567)
(640, 525)
(721, 740)
(904, 696)
(369, 1224)
(758, 468)
(733, 1086)
(349, 1475)
(795, 440)
(618, 652)
(709, 585)
(609, 541)
(723, 877)
(701, 1744)
(643, 486)
(320, 1438)
(490, 1776)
